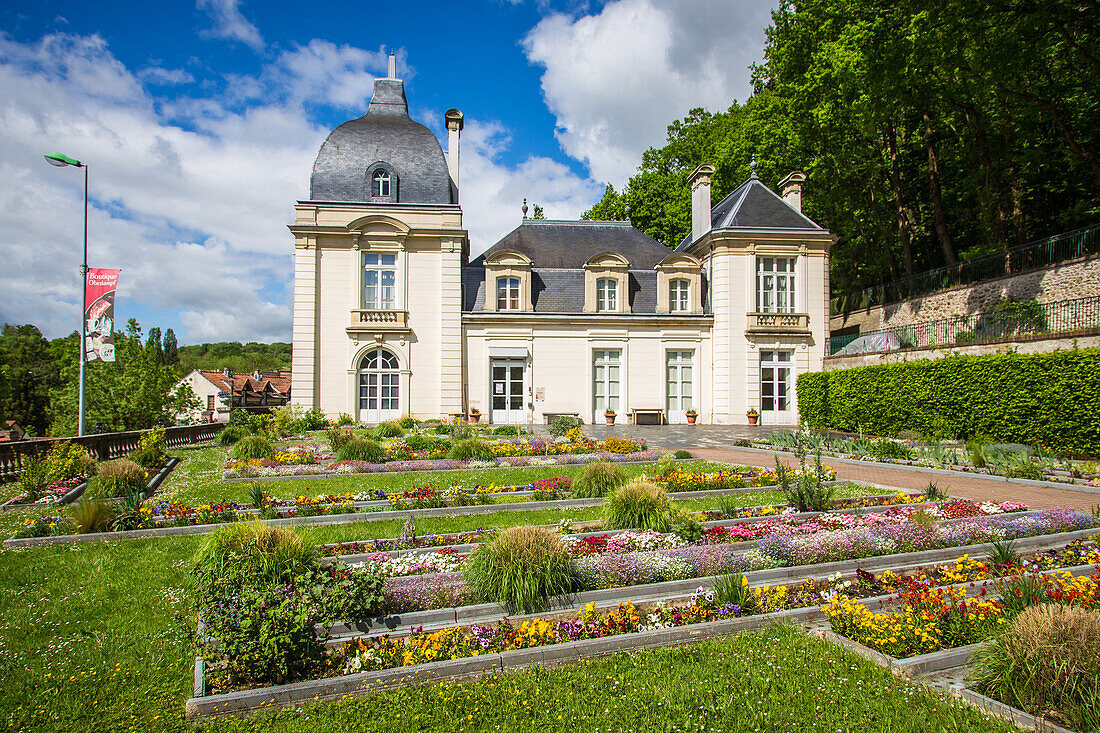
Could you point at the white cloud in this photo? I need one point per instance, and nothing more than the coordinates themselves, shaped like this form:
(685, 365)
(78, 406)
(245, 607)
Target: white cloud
(165, 77)
(230, 23)
(615, 80)
(492, 193)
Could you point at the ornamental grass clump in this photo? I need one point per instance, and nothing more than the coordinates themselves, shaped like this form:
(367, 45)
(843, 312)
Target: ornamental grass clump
(734, 589)
(639, 505)
(521, 569)
(389, 429)
(360, 449)
(120, 478)
(251, 446)
(230, 434)
(1047, 661)
(599, 478)
(338, 438)
(92, 514)
(471, 449)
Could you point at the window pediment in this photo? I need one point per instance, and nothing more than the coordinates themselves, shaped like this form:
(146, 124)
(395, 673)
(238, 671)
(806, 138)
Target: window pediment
(509, 258)
(607, 260)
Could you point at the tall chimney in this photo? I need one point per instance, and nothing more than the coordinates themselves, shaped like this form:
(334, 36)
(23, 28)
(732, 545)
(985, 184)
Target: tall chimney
(700, 200)
(392, 68)
(454, 127)
(790, 188)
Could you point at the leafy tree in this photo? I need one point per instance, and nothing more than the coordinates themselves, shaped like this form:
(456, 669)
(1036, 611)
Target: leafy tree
(538, 212)
(153, 345)
(233, 355)
(171, 348)
(27, 375)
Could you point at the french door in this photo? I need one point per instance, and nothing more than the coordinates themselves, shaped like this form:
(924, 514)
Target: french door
(509, 391)
(605, 388)
(776, 382)
(680, 386)
(379, 387)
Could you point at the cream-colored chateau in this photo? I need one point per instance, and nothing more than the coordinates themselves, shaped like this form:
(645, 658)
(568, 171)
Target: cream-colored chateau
(393, 318)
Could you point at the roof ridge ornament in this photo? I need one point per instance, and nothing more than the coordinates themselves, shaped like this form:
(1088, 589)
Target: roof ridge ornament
(525, 208)
(752, 167)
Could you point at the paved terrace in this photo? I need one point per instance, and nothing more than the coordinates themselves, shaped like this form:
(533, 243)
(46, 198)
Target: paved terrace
(715, 443)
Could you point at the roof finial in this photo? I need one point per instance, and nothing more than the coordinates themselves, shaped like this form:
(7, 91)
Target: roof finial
(393, 66)
(626, 212)
(752, 166)
(525, 208)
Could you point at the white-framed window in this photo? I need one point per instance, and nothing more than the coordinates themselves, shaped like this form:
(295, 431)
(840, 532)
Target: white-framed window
(380, 184)
(508, 294)
(605, 389)
(379, 281)
(679, 295)
(607, 294)
(776, 371)
(679, 384)
(379, 384)
(775, 285)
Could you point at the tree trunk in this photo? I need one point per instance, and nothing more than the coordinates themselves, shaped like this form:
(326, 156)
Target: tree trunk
(935, 191)
(904, 218)
(997, 196)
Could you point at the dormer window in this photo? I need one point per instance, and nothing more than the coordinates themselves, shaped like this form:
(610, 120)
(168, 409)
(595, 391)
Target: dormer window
(380, 184)
(607, 295)
(508, 293)
(679, 291)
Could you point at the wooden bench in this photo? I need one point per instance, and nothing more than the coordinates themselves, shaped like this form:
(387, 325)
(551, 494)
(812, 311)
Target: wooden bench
(652, 416)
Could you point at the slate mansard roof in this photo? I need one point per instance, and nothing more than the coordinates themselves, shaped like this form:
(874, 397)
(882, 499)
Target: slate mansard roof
(754, 206)
(385, 134)
(558, 251)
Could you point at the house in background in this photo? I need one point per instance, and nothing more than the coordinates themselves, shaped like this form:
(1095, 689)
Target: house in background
(222, 391)
(392, 318)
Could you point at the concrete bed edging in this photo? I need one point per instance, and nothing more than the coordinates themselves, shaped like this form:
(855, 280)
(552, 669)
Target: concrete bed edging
(1005, 712)
(942, 471)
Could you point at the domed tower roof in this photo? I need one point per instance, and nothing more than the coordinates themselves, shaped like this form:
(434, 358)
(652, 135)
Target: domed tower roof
(385, 142)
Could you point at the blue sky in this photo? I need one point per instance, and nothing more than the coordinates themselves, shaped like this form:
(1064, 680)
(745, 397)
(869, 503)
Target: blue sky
(200, 121)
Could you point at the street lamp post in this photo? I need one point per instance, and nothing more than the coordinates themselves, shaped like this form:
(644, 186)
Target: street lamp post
(62, 161)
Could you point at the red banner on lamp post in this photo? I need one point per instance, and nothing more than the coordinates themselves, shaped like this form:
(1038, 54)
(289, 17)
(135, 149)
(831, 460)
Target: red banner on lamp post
(99, 314)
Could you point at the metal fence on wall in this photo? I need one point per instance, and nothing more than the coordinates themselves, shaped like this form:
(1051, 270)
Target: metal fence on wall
(104, 446)
(1040, 253)
(1025, 318)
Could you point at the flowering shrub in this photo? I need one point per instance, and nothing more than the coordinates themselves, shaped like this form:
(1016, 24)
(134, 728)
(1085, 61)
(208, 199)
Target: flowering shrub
(52, 493)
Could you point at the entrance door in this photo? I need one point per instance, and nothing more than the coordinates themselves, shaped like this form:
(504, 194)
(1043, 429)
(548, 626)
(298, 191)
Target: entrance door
(605, 389)
(379, 387)
(680, 386)
(776, 377)
(509, 391)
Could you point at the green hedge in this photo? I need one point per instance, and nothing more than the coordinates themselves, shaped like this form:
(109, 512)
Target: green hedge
(1039, 399)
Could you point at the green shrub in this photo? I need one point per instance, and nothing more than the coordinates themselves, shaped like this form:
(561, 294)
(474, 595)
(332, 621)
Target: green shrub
(251, 446)
(521, 569)
(423, 442)
(92, 514)
(152, 450)
(443, 429)
(68, 460)
(230, 434)
(1047, 660)
(344, 419)
(259, 423)
(806, 491)
(598, 479)
(891, 450)
(120, 478)
(471, 449)
(562, 424)
(506, 430)
(359, 449)
(682, 454)
(687, 529)
(388, 429)
(734, 589)
(34, 477)
(338, 438)
(1049, 399)
(408, 422)
(639, 505)
(312, 419)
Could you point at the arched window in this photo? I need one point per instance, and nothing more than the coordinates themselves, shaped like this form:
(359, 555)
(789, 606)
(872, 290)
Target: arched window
(380, 184)
(379, 386)
(507, 293)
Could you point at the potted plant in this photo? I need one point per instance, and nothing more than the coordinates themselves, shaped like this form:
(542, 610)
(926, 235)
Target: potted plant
(692, 416)
(475, 414)
(609, 416)
(753, 415)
